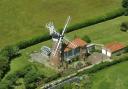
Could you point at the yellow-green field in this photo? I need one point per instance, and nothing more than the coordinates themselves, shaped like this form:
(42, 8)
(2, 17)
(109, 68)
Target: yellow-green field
(24, 19)
(105, 32)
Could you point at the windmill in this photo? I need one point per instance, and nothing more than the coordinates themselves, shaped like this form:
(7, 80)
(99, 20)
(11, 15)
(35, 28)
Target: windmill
(58, 41)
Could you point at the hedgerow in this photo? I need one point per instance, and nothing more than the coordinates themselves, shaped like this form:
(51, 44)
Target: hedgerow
(33, 41)
(6, 55)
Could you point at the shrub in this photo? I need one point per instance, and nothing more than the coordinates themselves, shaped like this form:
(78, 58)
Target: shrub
(126, 49)
(87, 39)
(124, 26)
(30, 75)
(6, 55)
(125, 3)
(33, 41)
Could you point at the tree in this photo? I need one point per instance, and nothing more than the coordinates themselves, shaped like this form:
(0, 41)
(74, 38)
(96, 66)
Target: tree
(124, 26)
(87, 39)
(126, 49)
(125, 3)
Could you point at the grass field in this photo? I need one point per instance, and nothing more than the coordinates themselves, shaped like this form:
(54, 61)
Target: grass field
(114, 77)
(24, 19)
(105, 32)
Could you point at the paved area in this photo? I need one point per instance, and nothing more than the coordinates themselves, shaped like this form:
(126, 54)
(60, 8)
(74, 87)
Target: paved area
(97, 57)
(39, 57)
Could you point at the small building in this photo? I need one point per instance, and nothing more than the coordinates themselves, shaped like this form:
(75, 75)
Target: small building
(77, 48)
(113, 49)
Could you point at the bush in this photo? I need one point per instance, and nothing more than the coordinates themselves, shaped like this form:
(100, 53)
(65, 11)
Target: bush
(30, 75)
(33, 41)
(87, 39)
(126, 49)
(124, 26)
(6, 55)
(125, 3)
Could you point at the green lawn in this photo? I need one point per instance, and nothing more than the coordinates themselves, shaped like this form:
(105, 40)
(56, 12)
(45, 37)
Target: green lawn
(114, 77)
(105, 32)
(24, 19)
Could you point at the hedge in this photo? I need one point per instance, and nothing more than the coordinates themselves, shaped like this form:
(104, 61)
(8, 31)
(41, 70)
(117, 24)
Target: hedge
(6, 55)
(33, 41)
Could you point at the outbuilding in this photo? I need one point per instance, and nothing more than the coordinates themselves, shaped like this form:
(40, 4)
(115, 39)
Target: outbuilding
(113, 49)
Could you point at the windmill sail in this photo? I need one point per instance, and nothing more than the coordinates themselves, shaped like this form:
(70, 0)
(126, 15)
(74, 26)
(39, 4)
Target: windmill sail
(62, 35)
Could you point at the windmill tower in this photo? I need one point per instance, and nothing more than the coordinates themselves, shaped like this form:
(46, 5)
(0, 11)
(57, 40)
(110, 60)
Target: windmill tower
(56, 58)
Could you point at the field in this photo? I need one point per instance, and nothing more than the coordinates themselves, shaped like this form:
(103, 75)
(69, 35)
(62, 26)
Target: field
(24, 19)
(105, 32)
(114, 77)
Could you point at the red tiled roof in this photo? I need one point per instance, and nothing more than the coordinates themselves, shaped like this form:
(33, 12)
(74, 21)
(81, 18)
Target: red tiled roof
(75, 43)
(115, 46)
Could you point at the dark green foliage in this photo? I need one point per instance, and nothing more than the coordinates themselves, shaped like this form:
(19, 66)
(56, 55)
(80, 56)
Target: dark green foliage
(87, 39)
(4, 65)
(126, 49)
(6, 55)
(125, 3)
(124, 26)
(33, 41)
(30, 74)
(31, 78)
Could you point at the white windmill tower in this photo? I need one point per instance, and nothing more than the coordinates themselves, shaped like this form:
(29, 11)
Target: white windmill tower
(57, 50)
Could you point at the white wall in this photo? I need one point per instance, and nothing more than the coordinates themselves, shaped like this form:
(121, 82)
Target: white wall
(104, 51)
(109, 53)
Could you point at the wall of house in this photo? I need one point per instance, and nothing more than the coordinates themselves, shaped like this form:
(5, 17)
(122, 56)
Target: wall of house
(71, 54)
(90, 49)
(109, 54)
(106, 52)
